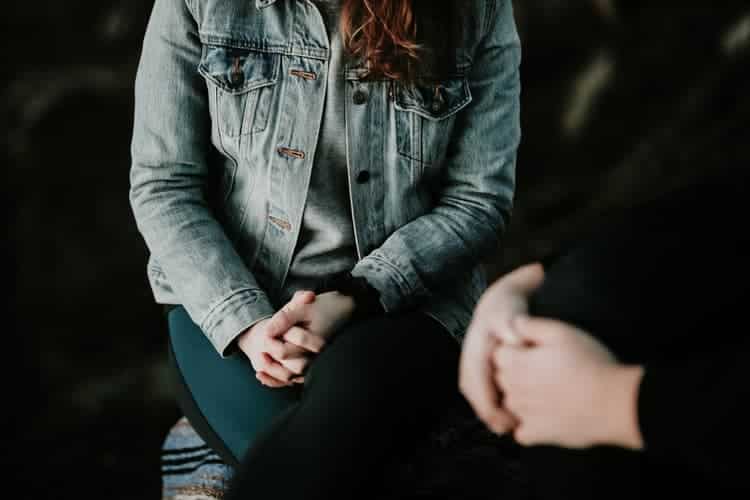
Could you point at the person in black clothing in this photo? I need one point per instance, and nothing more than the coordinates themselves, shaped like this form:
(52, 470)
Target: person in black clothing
(621, 365)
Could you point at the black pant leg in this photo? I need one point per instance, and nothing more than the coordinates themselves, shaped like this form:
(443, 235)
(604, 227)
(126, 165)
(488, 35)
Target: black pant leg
(369, 396)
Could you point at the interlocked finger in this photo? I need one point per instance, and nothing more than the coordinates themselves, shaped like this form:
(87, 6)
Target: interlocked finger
(304, 338)
(275, 369)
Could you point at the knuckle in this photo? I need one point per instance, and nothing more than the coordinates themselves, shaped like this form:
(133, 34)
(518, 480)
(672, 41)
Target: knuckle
(292, 368)
(273, 326)
(264, 364)
(483, 414)
(499, 426)
(279, 352)
(297, 368)
(279, 372)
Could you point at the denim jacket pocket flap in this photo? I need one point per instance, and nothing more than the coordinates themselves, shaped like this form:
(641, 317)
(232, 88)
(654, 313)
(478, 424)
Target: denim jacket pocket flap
(434, 101)
(238, 70)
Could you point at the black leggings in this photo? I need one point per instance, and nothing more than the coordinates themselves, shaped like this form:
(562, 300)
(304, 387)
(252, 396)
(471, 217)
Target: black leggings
(368, 397)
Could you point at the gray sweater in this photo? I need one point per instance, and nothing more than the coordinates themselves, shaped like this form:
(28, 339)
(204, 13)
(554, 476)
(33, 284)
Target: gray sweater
(326, 241)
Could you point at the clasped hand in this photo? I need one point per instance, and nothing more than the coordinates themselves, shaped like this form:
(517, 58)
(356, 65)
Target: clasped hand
(545, 381)
(281, 347)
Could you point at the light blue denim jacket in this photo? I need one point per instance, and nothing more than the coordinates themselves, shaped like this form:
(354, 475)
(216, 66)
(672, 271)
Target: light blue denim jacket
(229, 102)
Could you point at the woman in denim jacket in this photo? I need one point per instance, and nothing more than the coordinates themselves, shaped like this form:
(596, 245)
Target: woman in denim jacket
(317, 183)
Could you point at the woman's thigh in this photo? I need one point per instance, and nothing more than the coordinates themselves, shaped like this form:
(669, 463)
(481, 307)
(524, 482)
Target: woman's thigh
(223, 400)
(406, 356)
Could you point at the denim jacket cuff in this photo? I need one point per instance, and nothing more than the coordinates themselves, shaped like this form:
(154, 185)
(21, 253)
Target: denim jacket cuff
(397, 290)
(226, 321)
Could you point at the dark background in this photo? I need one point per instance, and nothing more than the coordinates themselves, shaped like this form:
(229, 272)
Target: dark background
(622, 101)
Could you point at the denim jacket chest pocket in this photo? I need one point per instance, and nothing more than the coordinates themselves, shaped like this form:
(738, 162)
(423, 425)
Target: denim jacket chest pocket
(240, 83)
(425, 113)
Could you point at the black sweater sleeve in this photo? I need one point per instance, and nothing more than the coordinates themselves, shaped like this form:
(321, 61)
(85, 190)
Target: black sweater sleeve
(695, 410)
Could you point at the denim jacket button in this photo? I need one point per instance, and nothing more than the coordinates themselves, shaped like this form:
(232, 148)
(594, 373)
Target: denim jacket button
(363, 177)
(360, 97)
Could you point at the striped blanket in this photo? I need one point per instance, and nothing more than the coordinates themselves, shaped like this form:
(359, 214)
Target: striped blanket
(190, 469)
(459, 460)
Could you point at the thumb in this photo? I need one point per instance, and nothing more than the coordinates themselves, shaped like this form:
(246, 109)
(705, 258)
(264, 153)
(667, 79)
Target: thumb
(303, 297)
(292, 313)
(526, 278)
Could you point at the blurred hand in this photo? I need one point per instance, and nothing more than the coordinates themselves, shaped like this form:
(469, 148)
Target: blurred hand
(501, 302)
(566, 388)
(278, 363)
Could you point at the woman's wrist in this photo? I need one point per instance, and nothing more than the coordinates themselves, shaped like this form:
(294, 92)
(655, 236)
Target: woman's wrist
(348, 303)
(242, 341)
(365, 299)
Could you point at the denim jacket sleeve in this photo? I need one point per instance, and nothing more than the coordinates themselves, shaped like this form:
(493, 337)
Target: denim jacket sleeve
(478, 180)
(168, 179)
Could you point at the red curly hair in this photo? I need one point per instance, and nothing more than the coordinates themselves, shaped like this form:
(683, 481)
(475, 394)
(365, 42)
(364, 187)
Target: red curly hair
(394, 37)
